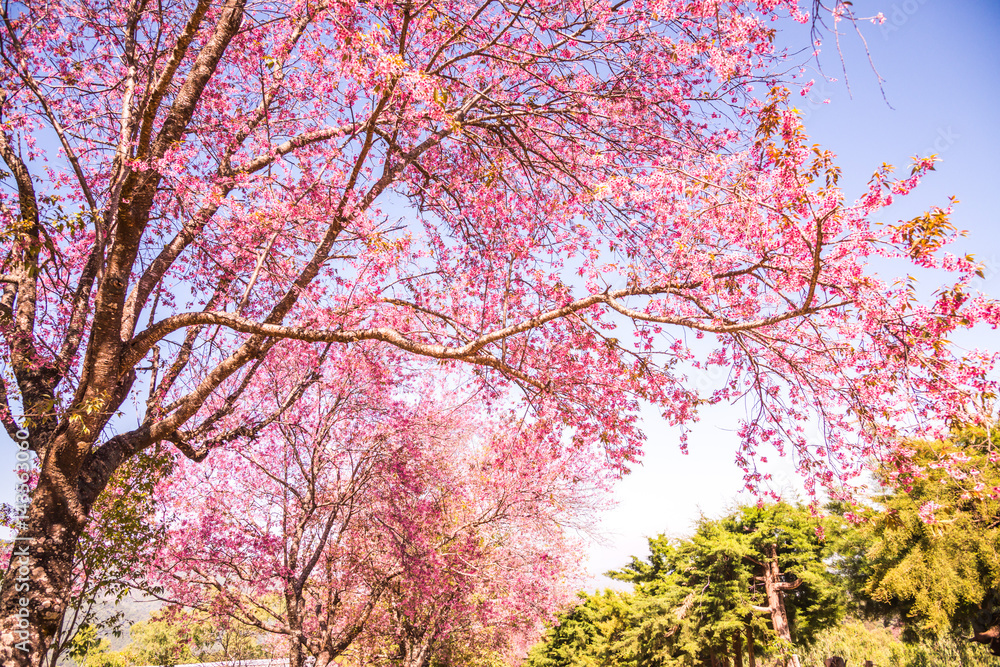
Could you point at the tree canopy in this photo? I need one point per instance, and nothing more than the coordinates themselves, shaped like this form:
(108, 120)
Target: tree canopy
(916, 561)
(399, 532)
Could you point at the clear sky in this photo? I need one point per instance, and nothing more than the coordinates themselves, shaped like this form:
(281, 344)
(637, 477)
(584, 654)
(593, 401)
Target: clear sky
(941, 63)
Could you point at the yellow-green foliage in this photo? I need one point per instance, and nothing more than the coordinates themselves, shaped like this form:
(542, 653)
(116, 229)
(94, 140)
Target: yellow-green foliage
(591, 635)
(856, 642)
(172, 641)
(86, 646)
(933, 554)
(110, 659)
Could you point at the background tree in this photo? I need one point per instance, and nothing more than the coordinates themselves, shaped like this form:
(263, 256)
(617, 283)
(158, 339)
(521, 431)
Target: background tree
(709, 600)
(757, 578)
(480, 536)
(171, 636)
(929, 553)
(590, 635)
(281, 534)
(86, 645)
(493, 184)
(857, 641)
(359, 517)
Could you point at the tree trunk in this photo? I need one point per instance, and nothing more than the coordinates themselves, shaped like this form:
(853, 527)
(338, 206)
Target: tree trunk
(751, 659)
(775, 588)
(36, 584)
(416, 651)
(34, 588)
(737, 649)
(990, 637)
(297, 649)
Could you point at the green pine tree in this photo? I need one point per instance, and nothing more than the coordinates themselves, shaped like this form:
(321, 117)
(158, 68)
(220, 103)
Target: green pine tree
(704, 600)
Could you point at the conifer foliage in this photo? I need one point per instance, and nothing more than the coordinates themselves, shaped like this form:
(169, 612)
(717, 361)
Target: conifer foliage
(929, 554)
(742, 589)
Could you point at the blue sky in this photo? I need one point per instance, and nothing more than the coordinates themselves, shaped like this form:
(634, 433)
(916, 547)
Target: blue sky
(941, 65)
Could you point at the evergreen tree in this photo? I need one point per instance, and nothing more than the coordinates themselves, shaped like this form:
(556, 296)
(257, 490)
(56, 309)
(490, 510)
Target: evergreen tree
(929, 552)
(743, 586)
(591, 635)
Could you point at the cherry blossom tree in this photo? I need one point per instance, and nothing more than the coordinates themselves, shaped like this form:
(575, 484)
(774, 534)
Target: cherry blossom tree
(356, 503)
(552, 193)
(277, 534)
(483, 550)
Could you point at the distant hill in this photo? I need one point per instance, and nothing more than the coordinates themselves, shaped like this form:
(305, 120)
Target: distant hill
(136, 607)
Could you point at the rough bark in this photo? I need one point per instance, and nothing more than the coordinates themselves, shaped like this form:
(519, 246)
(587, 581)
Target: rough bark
(33, 592)
(324, 659)
(775, 589)
(33, 595)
